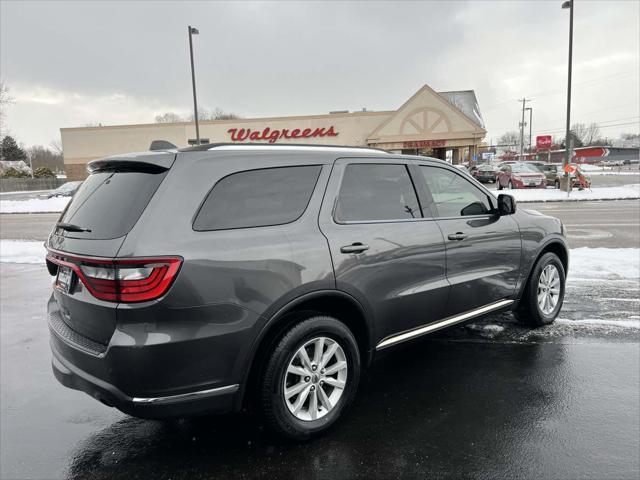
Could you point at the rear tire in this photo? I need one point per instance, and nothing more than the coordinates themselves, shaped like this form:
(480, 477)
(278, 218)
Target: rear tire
(544, 292)
(319, 402)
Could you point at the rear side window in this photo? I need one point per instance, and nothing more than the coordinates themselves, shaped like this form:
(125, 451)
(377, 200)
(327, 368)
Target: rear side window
(109, 203)
(372, 192)
(257, 198)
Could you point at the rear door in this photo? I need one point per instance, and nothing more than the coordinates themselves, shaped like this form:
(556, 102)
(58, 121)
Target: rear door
(385, 252)
(482, 248)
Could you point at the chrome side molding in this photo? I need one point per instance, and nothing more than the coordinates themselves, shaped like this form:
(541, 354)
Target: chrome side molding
(187, 396)
(417, 332)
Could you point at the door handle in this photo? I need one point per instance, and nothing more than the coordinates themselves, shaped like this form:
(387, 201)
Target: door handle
(356, 247)
(457, 236)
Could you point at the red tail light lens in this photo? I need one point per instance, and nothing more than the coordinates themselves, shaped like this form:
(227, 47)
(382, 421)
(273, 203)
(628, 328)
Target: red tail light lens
(123, 280)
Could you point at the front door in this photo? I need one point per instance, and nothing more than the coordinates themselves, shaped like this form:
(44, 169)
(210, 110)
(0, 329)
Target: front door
(483, 248)
(385, 253)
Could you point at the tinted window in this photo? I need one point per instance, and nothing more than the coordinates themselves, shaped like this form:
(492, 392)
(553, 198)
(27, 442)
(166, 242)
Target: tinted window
(256, 198)
(453, 196)
(376, 192)
(109, 203)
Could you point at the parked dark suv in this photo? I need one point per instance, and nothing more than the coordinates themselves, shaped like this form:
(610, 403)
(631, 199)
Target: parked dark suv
(190, 281)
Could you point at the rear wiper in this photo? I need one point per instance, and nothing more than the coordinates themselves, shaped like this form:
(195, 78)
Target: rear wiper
(70, 227)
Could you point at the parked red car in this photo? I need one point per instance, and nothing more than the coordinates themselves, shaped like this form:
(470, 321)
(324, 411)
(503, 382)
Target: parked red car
(521, 175)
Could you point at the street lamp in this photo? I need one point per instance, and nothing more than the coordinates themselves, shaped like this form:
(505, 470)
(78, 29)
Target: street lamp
(194, 31)
(567, 139)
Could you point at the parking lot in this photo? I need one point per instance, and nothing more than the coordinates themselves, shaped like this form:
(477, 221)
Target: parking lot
(486, 400)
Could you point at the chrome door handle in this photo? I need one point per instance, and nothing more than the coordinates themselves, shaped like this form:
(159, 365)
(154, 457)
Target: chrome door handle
(457, 236)
(356, 247)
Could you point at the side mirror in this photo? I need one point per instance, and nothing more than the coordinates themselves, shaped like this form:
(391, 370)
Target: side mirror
(506, 204)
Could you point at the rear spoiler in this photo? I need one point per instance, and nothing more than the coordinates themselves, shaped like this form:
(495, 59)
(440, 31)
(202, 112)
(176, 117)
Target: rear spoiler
(153, 162)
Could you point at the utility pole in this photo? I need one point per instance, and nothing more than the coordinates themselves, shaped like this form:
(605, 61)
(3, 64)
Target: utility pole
(524, 101)
(530, 123)
(194, 31)
(568, 143)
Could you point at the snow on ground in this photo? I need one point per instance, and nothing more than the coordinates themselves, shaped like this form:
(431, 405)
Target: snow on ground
(625, 192)
(604, 263)
(600, 170)
(21, 251)
(34, 205)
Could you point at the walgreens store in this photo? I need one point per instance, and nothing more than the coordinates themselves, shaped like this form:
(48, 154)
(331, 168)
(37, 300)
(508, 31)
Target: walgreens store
(446, 125)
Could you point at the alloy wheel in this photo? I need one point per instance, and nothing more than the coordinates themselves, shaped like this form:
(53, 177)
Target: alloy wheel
(548, 289)
(315, 378)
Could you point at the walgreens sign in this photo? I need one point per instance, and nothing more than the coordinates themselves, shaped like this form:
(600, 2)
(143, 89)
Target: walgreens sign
(273, 135)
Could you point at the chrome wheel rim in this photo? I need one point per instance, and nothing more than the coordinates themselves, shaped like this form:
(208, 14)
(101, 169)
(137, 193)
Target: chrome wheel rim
(315, 379)
(548, 289)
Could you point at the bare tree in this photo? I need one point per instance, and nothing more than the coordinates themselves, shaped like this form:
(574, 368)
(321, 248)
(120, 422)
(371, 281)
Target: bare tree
(44, 157)
(217, 114)
(5, 101)
(592, 135)
(169, 117)
(509, 138)
(56, 147)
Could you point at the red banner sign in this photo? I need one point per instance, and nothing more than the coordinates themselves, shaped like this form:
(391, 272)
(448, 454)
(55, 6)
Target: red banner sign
(272, 136)
(543, 142)
(424, 143)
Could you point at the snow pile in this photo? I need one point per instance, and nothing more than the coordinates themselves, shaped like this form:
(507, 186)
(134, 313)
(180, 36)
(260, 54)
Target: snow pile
(34, 205)
(604, 263)
(21, 251)
(625, 192)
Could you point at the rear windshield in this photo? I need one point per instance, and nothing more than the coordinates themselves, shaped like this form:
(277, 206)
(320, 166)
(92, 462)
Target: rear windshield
(109, 203)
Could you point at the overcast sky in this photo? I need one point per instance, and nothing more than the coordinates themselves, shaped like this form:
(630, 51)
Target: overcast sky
(74, 63)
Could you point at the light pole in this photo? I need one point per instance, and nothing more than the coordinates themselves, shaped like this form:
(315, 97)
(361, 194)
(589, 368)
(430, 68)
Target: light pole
(567, 139)
(194, 31)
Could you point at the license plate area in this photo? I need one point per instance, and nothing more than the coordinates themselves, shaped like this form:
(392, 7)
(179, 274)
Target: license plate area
(64, 279)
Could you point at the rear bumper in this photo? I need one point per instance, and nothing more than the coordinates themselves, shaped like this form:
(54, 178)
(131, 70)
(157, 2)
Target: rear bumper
(215, 400)
(184, 364)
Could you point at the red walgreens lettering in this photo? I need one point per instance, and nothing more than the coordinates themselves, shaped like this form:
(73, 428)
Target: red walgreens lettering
(272, 136)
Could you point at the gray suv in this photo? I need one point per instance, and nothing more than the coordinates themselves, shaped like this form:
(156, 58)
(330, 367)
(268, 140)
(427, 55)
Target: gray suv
(191, 281)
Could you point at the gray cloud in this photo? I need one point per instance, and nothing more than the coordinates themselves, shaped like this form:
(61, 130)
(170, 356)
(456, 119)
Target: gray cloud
(72, 63)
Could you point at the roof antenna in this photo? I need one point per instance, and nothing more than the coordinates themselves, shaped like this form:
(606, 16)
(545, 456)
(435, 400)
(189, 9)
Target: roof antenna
(161, 145)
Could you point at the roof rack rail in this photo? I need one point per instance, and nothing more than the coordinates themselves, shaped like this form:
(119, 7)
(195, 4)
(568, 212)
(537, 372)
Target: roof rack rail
(210, 146)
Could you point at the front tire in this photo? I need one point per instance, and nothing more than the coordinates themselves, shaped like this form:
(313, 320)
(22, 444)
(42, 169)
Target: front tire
(310, 378)
(544, 292)
(510, 185)
(557, 184)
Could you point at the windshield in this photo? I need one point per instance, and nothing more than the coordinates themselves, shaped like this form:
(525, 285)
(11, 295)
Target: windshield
(67, 187)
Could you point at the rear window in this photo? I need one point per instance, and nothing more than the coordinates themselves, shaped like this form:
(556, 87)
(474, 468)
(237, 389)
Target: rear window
(257, 198)
(109, 203)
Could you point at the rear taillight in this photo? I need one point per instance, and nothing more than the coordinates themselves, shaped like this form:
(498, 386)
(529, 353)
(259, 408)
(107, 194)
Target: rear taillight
(123, 280)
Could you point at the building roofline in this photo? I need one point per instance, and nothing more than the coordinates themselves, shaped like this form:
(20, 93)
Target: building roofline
(232, 121)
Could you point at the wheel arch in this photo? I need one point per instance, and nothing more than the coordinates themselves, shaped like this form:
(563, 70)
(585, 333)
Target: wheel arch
(555, 245)
(333, 303)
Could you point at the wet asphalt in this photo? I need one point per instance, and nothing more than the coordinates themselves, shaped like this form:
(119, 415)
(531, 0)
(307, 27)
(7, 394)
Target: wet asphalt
(490, 400)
